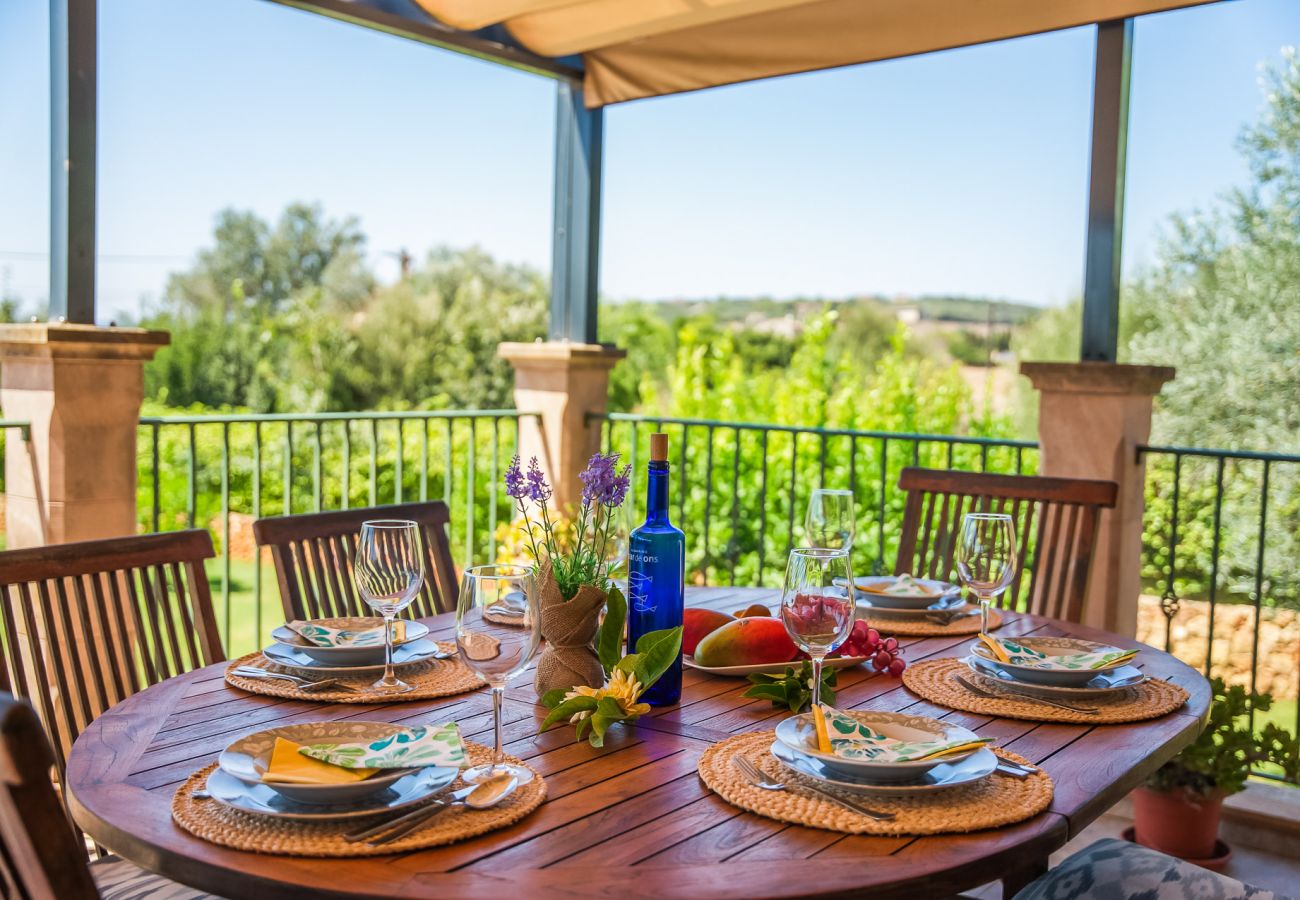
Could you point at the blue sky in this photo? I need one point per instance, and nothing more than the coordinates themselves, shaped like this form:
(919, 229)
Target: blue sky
(960, 172)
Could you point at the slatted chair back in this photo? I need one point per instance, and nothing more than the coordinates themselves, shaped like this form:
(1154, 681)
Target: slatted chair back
(1056, 522)
(314, 553)
(41, 856)
(87, 624)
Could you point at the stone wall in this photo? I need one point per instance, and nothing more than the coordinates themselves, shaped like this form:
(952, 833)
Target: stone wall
(1234, 630)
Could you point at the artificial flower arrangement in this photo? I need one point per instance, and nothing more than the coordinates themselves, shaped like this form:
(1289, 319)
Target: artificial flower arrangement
(582, 651)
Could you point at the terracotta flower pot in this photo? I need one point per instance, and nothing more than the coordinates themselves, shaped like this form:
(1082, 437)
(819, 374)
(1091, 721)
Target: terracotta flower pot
(1178, 822)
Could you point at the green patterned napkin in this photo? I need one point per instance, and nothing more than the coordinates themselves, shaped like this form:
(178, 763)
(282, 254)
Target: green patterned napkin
(325, 636)
(1021, 655)
(437, 745)
(853, 739)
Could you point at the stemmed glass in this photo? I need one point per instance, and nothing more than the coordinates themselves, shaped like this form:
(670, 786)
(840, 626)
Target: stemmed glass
(986, 557)
(829, 521)
(817, 614)
(389, 570)
(497, 641)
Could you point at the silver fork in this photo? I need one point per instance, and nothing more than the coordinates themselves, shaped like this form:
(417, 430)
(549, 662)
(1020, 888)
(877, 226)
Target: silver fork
(306, 685)
(765, 782)
(1005, 693)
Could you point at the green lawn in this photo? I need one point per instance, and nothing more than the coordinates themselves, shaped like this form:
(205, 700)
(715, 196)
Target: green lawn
(246, 632)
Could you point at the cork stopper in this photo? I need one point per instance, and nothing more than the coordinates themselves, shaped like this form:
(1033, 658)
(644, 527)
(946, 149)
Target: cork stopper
(659, 447)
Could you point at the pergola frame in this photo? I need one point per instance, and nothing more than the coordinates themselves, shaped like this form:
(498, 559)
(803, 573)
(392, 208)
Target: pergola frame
(578, 162)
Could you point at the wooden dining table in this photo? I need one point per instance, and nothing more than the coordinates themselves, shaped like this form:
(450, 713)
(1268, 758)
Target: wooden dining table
(631, 819)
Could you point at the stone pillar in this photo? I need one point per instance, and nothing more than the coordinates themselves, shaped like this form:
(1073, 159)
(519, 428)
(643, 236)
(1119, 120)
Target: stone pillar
(1091, 418)
(80, 387)
(564, 382)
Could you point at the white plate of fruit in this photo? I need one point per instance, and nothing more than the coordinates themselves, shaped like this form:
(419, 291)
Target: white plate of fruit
(753, 641)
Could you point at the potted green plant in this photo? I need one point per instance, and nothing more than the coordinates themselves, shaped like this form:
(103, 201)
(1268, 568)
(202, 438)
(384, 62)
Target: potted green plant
(1177, 811)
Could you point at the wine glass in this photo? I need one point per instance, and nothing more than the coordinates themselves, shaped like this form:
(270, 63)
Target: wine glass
(986, 557)
(829, 521)
(389, 570)
(497, 641)
(817, 613)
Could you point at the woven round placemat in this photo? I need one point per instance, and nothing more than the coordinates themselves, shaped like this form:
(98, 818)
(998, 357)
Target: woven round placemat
(435, 678)
(935, 680)
(989, 803)
(228, 827)
(918, 626)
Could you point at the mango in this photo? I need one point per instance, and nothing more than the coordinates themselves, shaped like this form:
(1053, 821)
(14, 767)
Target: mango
(748, 641)
(754, 609)
(696, 625)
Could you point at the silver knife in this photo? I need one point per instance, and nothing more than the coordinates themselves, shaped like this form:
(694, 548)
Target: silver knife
(440, 800)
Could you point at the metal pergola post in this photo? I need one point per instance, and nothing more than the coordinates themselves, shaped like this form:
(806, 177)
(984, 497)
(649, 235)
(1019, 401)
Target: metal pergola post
(1110, 102)
(72, 160)
(575, 269)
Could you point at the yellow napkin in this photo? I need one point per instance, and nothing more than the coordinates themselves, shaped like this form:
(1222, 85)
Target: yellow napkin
(969, 745)
(288, 766)
(819, 724)
(995, 647)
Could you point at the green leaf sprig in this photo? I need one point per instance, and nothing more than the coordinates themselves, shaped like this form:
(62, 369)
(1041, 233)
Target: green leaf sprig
(792, 689)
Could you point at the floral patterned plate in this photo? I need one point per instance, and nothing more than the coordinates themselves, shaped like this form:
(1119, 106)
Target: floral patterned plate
(247, 758)
(1059, 661)
(898, 729)
(296, 659)
(1103, 683)
(933, 592)
(258, 799)
(980, 764)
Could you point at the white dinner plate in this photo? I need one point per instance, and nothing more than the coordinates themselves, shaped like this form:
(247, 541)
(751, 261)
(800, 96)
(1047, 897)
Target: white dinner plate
(419, 651)
(980, 764)
(797, 733)
(260, 800)
(346, 656)
(837, 662)
(248, 757)
(1101, 684)
(946, 603)
(1052, 646)
(938, 590)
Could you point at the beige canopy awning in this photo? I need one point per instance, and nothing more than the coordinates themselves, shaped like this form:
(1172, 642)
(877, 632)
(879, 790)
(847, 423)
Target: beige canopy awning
(645, 48)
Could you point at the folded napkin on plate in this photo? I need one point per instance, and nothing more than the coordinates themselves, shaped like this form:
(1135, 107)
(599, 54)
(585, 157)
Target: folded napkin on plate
(289, 766)
(437, 745)
(903, 585)
(852, 739)
(325, 636)
(1020, 655)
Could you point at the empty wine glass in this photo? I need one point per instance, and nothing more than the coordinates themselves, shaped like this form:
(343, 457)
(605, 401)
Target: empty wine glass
(389, 570)
(497, 641)
(986, 557)
(818, 614)
(829, 521)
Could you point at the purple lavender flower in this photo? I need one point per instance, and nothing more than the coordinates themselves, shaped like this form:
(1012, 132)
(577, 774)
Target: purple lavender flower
(602, 482)
(538, 490)
(515, 486)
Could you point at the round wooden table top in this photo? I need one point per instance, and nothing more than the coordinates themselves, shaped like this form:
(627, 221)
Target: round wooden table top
(629, 820)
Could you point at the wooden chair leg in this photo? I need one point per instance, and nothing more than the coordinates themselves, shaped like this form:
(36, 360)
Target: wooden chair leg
(1017, 880)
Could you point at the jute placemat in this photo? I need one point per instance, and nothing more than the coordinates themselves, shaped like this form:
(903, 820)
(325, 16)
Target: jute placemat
(228, 827)
(435, 678)
(935, 680)
(990, 803)
(919, 626)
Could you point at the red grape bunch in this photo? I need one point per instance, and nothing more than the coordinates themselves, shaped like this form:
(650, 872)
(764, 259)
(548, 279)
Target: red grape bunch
(884, 653)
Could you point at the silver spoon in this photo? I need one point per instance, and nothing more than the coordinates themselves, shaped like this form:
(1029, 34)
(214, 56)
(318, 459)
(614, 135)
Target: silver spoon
(765, 782)
(1012, 694)
(483, 795)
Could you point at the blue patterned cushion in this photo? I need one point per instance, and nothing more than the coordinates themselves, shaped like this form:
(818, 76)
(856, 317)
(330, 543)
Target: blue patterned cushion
(1112, 869)
(118, 879)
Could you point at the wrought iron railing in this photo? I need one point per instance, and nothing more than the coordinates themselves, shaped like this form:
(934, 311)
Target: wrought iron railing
(224, 471)
(1222, 548)
(742, 486)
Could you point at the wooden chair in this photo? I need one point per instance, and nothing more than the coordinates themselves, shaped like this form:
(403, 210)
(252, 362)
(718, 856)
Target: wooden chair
(85, 625)
(41, 856)
(1056, 523)
(313, 556)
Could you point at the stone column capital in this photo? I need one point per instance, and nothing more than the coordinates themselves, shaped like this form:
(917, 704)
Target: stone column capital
(62, 340)
(560, 355)
(1096, 377)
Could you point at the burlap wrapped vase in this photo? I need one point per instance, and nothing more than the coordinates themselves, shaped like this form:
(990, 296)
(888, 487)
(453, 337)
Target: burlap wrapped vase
(569, 628)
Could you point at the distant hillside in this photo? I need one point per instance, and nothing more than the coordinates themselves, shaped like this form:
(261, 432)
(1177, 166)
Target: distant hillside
(975, 310)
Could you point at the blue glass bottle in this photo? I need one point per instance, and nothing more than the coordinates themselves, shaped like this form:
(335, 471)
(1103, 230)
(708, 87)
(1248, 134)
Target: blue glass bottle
(657, 574)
